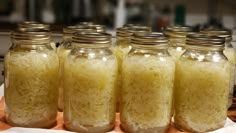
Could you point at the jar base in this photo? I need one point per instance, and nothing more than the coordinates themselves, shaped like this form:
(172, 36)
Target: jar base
(189, 129)
(90, 129)
(43, 124)
(129, 129)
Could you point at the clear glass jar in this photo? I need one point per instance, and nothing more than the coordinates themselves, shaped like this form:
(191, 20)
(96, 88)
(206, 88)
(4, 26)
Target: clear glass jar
(177, 36)
(31, 80)
(229, 52)
(27, 25)
(122, 46)
(202, 85)
(90, 74)
(147, 85)
(63, 50)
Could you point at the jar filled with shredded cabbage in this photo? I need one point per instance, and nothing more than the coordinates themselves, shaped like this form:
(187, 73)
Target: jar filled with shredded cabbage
(31, 80)
(90, 74)
(229, 52)
(64, 49)
(202, 85)
(147, 85)
(177, 36)
(123, 46)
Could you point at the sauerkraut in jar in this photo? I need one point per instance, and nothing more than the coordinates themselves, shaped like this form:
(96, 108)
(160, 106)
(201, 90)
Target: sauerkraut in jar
(122, 46)
(177, 36)
(202, 85)
(64, 49)
(90, 73)
(31, 80)
(229, 52)
(147, 85)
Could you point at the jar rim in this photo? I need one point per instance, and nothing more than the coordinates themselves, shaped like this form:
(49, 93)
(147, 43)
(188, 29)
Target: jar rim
(70, 30)
(156, 39)
(33, 25)
(225, 33)
(203, 40)
(31, 35)
(91, 38)
(177, 31)
(127, 32)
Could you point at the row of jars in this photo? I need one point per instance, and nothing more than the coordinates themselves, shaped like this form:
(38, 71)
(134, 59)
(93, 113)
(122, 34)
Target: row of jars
(149, 76)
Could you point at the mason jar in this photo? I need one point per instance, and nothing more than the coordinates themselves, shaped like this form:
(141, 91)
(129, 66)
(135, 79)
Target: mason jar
(229, 52)
(177, 36)
(90, 73)
(62, 52)
(147, 85)
(202, 85)
(31, 80)
(123, 46)
(27, 25)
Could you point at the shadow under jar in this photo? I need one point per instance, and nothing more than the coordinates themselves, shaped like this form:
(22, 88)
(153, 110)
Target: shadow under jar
(202, 85)
(90, 74)
(147, 85)
(31, 80)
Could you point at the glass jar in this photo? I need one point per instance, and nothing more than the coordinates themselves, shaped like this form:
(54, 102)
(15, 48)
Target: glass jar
(202, 85)
(123, 46)
(27, 25)
(90, 73)
(177, 36)
(229, 52)
(62, 52)
(31, 80)
(147, 85)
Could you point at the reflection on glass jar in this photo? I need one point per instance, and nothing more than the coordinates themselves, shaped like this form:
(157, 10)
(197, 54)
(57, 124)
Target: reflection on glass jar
(90, 73)
(31, 80)
(147, 85)
(63, 50)
(202, 85)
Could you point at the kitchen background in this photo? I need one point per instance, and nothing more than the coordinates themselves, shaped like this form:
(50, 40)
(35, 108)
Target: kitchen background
(113, 14)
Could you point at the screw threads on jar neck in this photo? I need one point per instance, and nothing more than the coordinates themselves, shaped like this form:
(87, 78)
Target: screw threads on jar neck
(32, 25)
(68, 31)
(199, 40)
(31, 36)
(150, 40)
(92, 39)
(127, 32)
(177, 31)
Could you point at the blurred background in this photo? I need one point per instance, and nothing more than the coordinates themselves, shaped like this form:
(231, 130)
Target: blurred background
(113, 14)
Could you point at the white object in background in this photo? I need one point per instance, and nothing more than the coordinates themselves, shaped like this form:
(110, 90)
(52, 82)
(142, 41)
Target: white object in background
(228, 21)
(1, 91)
(19, 11)
(194, 19)
(120, 17)
(47, 12)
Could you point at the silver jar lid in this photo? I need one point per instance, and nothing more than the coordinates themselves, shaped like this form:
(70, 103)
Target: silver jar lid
(127, 32)
(177, 31)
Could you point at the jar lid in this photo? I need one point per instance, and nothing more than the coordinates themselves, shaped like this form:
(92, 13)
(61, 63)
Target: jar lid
(227, 34)
(199, 39)
(77, 28)
(31, 35)
(177, 31)
(32, 25)
(154, 38)
(92, 38)
(127, 32)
